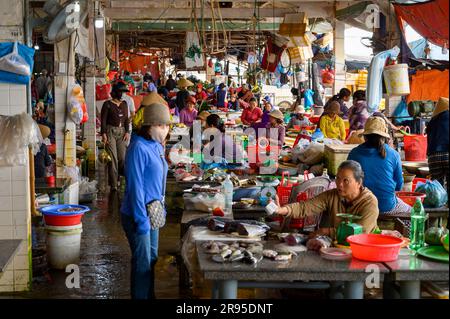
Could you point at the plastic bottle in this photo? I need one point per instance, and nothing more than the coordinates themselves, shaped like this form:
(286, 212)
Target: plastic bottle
(228, 192)
(417, 233)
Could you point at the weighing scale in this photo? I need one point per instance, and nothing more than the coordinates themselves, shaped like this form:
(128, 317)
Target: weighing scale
(347, 228)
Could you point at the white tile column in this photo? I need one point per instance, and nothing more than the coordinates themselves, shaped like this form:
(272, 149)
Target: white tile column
(90, 132)
(339, 54)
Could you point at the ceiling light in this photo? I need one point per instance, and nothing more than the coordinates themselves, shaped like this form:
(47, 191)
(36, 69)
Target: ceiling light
(209, 27)
(153, 62)
(171, 27)
(36, 47)
(76, 6)
(99, 22)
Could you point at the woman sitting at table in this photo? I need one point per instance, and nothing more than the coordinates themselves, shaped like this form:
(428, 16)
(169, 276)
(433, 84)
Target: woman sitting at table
(189, 113)
(245, 94)
(201, 94)
(252, 113)
(299, 118)
(331, 125)
(221, 96)
(229, 151)
(350, 197)
(267, 108)
(42, 159)
(233, 103)
(276, 130)
(382, 167)
(358, 114)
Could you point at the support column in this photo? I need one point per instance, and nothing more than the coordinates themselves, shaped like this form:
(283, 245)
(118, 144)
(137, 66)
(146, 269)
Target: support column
(339, 56)
(65, 128)
(90, 133)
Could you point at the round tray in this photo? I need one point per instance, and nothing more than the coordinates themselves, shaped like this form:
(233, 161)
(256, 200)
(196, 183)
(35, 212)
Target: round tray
(55, 210)
(434, 252)
(336, 253)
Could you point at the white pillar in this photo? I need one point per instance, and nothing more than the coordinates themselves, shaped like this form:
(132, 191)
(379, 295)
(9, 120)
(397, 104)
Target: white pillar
(339, 55)
(90, 126)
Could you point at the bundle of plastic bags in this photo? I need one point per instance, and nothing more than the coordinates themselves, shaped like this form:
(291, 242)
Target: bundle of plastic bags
(436, 194)
(87, 187)
(17, 133)
(204, 202)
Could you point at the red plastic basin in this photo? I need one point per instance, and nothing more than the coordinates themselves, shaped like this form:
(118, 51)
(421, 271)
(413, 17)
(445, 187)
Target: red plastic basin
(67, 220)
(410, 197)
(374, 247)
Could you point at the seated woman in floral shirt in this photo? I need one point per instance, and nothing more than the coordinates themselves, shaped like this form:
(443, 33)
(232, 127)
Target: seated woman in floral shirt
(358, 114)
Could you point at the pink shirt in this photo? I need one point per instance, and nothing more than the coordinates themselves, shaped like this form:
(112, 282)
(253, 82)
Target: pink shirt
(249, 117)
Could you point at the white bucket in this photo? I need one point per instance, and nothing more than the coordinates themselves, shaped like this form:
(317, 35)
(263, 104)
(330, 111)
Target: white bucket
(396, 79)
(63, 245)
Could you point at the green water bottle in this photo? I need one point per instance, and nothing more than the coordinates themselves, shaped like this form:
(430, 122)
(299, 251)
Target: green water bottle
(417, 233)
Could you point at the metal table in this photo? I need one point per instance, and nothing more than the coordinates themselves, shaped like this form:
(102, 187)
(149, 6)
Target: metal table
(307, 266)
(408, 271)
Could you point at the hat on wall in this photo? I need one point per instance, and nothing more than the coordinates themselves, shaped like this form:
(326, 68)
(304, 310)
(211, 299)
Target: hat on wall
(376, 125)
(152, 98)
(441, 106)
(156, 114)
(183, 83)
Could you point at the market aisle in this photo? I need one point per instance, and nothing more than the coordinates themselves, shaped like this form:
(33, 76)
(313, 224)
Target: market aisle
(105, 260)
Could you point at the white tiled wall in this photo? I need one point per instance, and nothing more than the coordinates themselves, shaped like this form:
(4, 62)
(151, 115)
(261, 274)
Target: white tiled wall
(15, 220)
(89, 130)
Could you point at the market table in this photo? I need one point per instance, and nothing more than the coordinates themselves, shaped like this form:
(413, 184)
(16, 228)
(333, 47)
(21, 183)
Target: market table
(409, 270)
(42, 187)
(307, 266)
(8, 249)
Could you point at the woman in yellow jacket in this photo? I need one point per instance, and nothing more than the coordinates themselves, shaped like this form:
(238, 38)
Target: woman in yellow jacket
(331, 125)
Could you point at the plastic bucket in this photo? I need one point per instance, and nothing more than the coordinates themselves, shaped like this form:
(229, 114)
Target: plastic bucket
(415, 148)
(417, 180)
(396, 79)
(63, 245)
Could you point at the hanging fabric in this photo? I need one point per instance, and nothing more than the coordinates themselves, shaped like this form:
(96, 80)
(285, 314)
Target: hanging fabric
(272, 56)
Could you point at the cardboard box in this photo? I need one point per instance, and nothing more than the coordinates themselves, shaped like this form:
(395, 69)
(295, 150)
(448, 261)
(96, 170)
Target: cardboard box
(296, 18)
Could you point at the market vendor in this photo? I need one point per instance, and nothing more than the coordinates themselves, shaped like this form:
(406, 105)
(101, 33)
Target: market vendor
(331, 124)
(170, 83)
(350, 197)
(267, 108)
(189, 113)
(382, 167)
(233, 103)
(358, 113)
(183, 94)
(42, 159)
(221, 96)
(437, 151)
(252, 113)
(201, 94)
(245, 94)
(276, 124)
(298, 118)
(230, 151)
(342, 97)
(149, 99)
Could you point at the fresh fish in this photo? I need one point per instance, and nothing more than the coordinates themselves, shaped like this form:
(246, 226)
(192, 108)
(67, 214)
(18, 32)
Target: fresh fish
(269, 253)
(225, 253)
(237, 257)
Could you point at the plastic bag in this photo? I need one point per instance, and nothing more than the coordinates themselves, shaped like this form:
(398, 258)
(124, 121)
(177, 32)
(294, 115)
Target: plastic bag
(14, 63)
(436, 194)
(203, 202)
(17, 133)
(313, 154)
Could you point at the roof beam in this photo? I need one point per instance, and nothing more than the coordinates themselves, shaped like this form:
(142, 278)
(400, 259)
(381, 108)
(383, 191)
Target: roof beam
(123, 26)
(171, 13)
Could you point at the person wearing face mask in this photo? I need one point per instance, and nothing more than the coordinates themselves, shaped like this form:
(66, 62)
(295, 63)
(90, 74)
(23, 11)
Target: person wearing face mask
(115, 130)
(146, 174)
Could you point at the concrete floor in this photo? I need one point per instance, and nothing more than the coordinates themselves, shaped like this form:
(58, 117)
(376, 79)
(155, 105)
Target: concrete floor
(105, 264)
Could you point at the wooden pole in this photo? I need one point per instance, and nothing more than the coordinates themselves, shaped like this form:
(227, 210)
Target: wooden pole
(32, 183)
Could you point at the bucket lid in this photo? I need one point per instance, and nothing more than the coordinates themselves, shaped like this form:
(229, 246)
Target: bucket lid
(55, 210)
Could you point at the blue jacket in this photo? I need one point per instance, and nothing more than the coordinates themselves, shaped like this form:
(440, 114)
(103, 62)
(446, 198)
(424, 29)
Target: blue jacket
(382, 176)
(146, 174)
(437, 131)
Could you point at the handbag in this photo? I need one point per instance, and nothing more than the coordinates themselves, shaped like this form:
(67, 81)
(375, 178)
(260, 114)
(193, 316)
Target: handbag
(156, 214)
(155, 209)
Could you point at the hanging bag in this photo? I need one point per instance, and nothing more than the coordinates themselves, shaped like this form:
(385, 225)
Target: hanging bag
(14, 63)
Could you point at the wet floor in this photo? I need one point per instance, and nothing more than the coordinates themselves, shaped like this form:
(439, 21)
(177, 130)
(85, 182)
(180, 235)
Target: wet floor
(105, 259)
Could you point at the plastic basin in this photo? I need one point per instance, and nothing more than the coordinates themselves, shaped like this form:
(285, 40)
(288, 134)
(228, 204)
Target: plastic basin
(374, 247)
(53, 216)
(416, 181)
(410, 197)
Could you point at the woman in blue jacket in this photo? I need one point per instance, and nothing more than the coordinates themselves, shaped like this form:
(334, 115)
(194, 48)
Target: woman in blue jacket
(437, 150)
(146, 174)
(382, 167)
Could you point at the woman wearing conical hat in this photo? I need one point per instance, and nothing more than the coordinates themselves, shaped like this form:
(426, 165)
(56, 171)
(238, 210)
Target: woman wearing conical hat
(437, 151)
(183, 94)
